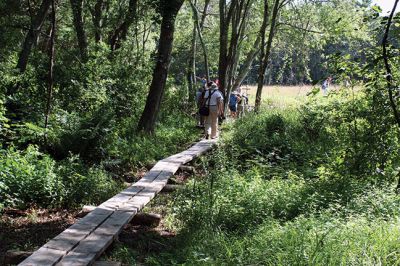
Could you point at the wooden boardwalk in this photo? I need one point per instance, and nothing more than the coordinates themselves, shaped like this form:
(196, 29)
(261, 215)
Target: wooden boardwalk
(83, 242)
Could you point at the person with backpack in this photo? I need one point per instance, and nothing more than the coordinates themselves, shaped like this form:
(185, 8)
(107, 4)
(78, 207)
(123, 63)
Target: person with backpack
(242, 105)
(212, 107)
(325, 86)
(199, 97)
(233, 102)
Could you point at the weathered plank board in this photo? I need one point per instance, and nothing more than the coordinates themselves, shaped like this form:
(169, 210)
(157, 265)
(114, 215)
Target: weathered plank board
(83, 242)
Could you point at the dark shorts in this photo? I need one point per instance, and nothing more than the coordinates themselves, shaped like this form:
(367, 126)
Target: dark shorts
(233, 108)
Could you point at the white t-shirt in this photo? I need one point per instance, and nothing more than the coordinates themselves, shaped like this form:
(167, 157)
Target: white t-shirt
(216, 95)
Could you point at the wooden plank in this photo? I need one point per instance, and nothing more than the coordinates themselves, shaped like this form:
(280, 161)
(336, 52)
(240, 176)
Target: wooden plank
(96, 217)
(115, 202)
(114, 224)
(181, 158)
(141, 199)
(132, 190)
(166, 166)
(66, 241)
(80, 228)
(43, 256)
(77, 259)
(150, 176)
(95, 243)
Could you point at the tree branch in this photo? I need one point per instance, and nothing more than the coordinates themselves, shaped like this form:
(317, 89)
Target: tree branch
(389, 76)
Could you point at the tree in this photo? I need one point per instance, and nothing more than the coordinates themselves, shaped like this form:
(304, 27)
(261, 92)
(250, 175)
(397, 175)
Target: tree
(265, 51)
(77, 7)
(122, 30)
(169, 10)
(97, 18)
(50, 76)
(32, 35)
(233, 17)
(198, 30)
(246, 66)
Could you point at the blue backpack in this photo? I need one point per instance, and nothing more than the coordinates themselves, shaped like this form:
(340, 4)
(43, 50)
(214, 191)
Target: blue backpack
(232, 100)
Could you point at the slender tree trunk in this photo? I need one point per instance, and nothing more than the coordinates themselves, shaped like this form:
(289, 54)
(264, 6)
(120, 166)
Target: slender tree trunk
(203, 45)
(50, 77)
(238, 25)
(32, 35)
(261, 70)
(77, 7)
(265, 57)
(204, 15)
(223, 45)
(245, 68)
(235, 19)
(97, 15)
(170, 9)
(191, 74)
(122, 31)
(389, 75)
(97, 20)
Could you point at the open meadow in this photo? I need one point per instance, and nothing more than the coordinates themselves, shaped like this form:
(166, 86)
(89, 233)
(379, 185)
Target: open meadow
(282, 95)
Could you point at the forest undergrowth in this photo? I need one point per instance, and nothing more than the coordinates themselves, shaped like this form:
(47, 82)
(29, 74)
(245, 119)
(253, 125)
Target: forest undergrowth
(298, 185)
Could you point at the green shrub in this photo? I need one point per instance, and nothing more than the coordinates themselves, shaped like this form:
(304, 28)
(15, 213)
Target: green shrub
(171, 136)
(33, 178)
(28, 177)
(85, 185)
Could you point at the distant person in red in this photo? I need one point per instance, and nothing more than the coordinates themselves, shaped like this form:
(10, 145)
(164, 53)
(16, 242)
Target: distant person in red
(217, 82)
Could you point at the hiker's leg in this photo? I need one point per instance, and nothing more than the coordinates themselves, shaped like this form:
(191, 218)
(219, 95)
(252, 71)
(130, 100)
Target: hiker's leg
(207, 125)
(214, 121)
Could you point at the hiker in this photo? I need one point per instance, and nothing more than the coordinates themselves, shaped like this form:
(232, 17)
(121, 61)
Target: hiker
(242, 104)
(325, 86)
(217, 83)
(212, 99)
(199, 96)
(233, 102)
(203, 81)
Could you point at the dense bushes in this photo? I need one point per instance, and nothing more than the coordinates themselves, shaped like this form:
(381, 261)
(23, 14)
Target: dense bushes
(91, 134)
(33, 178)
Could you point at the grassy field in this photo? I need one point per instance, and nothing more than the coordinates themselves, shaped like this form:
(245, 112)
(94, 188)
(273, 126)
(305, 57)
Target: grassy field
(281, 95)
(279, 91)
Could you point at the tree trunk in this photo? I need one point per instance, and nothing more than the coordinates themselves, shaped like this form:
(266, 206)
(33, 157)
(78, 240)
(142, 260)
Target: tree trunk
(238, 25)
(50, 77)
(245, 68)
(235, 19)
(32, 35)
(204, 15)
(261, 70)
(264, 57)
(170, 9)
(77, 7)
(223, 45)
(191, 74)
(122, 31)
(97, 14)
(203, 45)
(389, 77)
